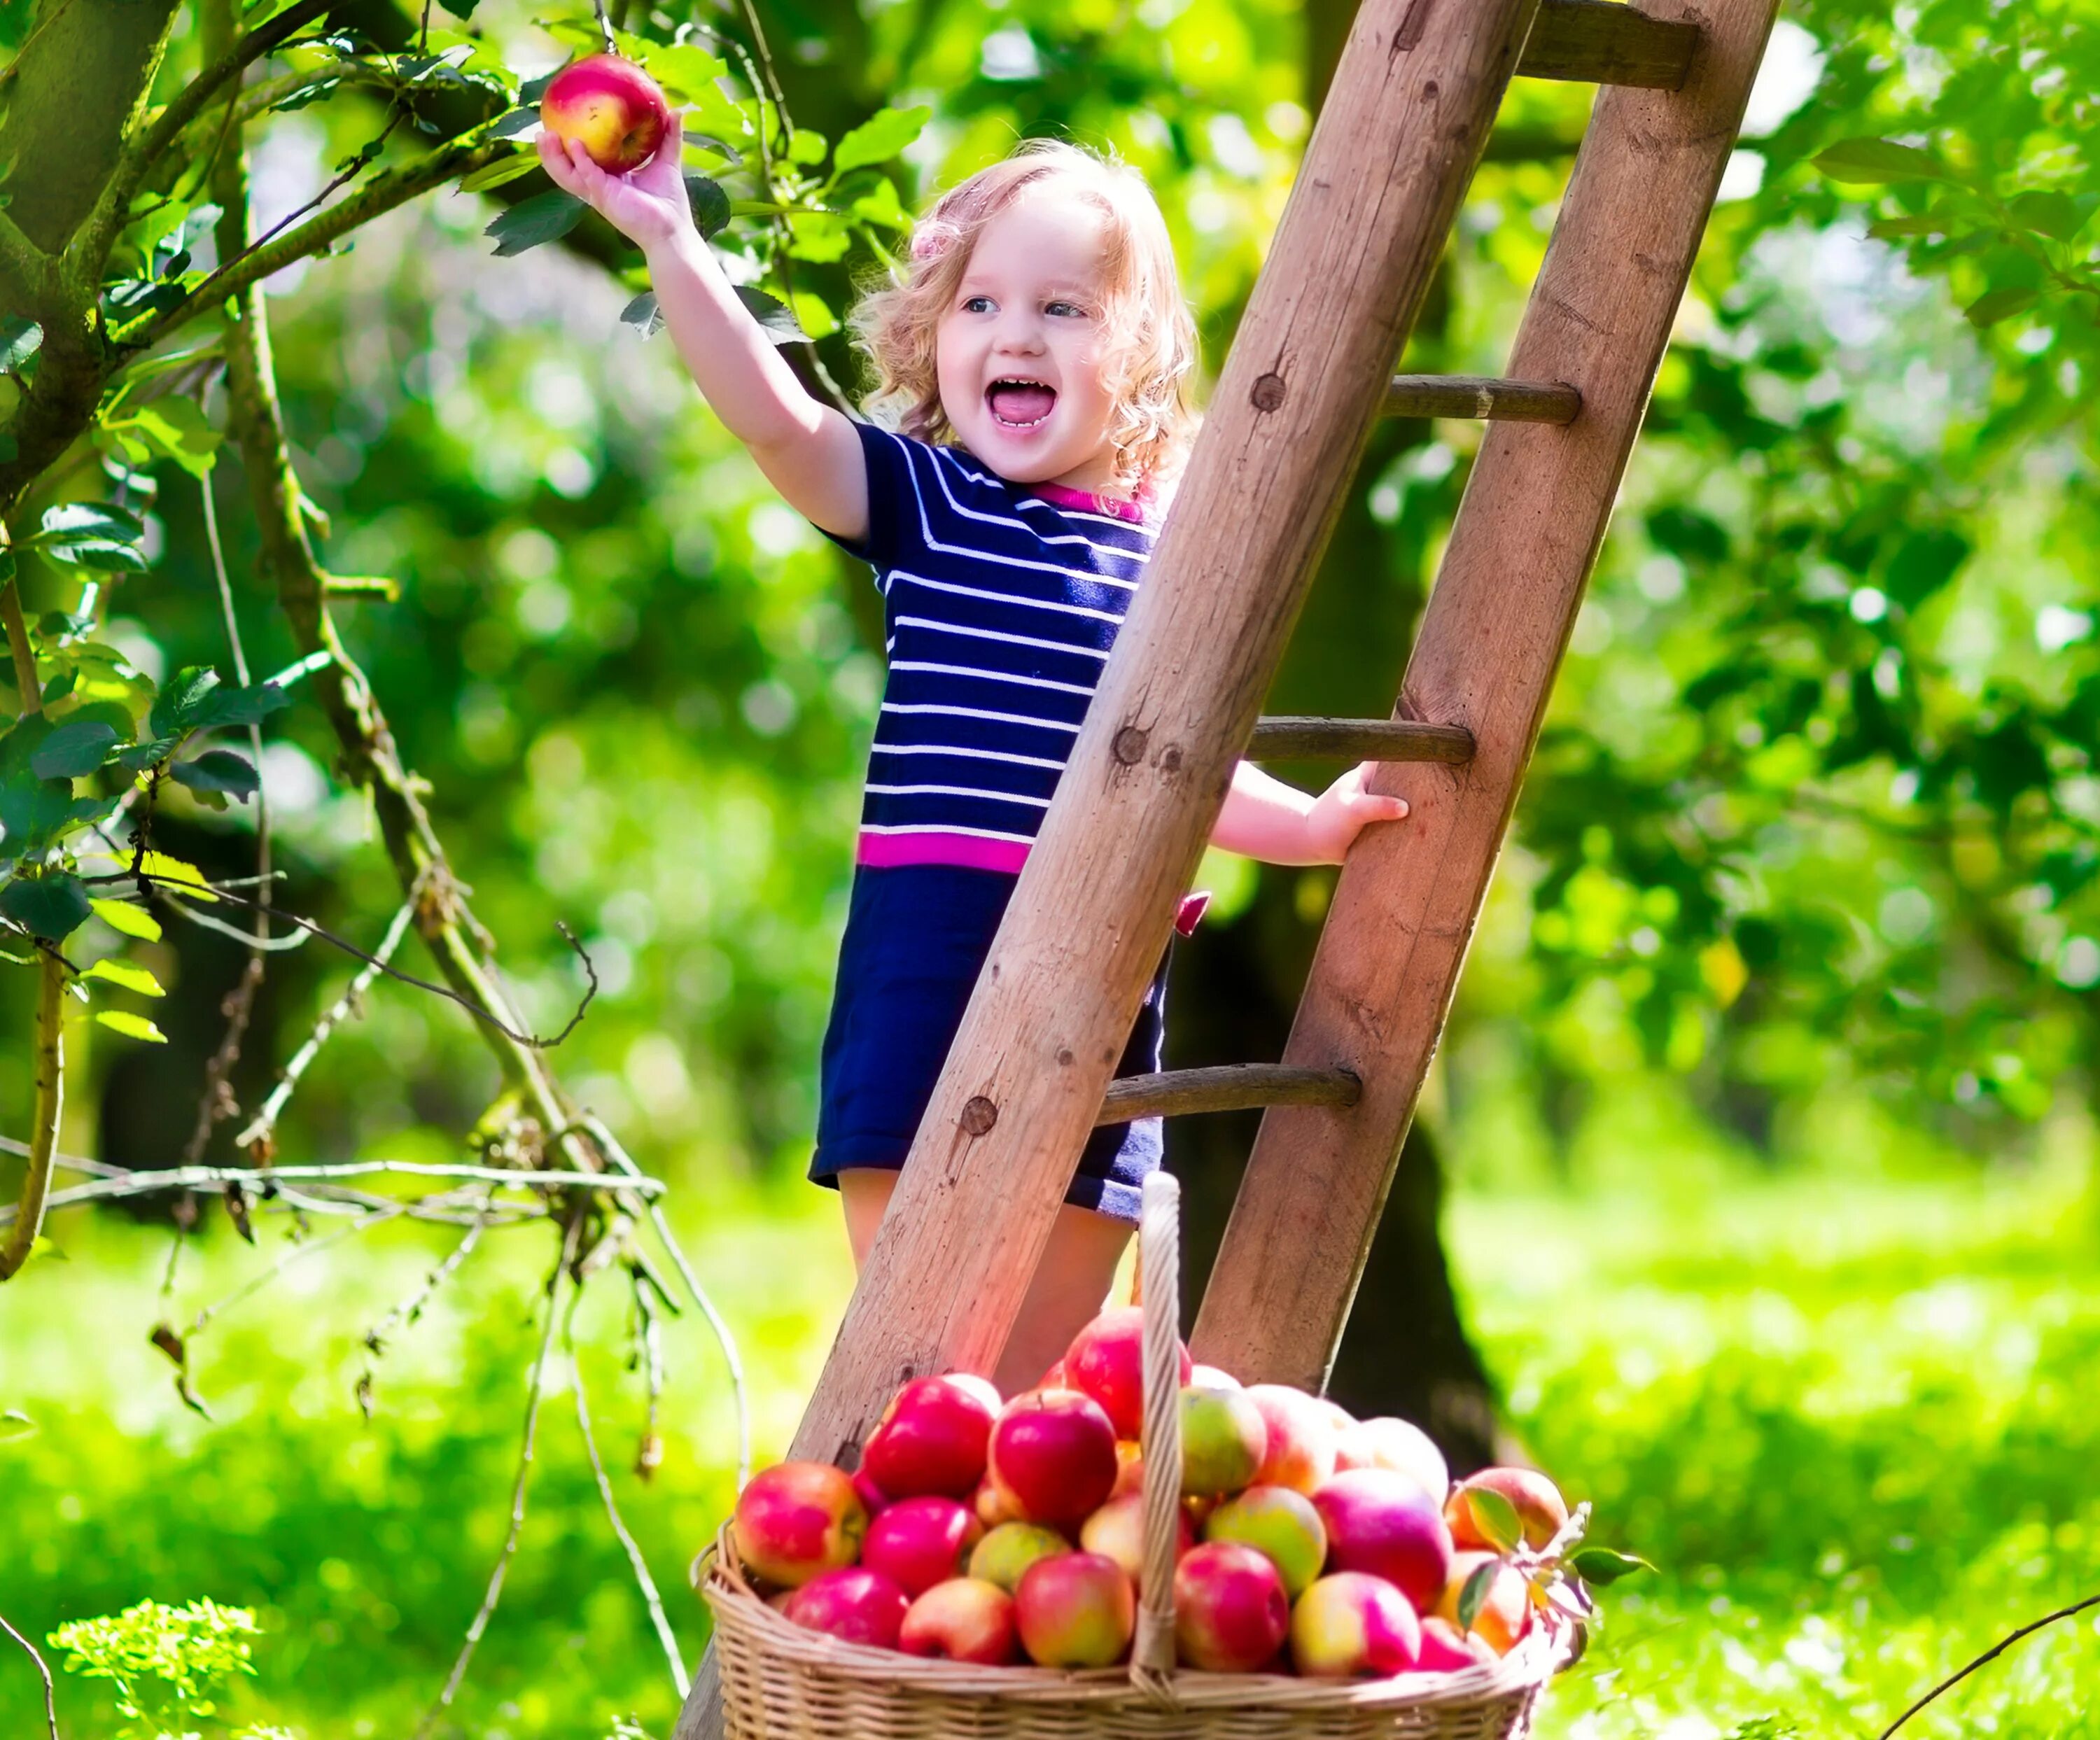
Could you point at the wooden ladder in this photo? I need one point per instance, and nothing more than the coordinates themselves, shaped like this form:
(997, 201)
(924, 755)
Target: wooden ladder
(1403, 127)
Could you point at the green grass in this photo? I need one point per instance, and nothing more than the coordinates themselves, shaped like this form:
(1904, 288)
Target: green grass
(1855, 1423)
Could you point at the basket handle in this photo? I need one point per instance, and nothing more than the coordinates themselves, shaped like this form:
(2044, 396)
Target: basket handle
(1159, 1268)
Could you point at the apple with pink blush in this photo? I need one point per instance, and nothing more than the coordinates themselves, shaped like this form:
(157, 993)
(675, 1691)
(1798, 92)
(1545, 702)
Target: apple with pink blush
(1230, 1613)
(798, 1520)
(1281, 1525)
(855, 1605)
(610, 107)
(1106, 1362)
(1354, 1626)
(1004, 1556)
(919, 1542)
(1383, 1523)
(1223, 1440)
(1447, 1650)
(932, 1437)
(1302, 1439)
(1396, 1444)
(1075, 1611)
(1055, 1451)
(964, 1619)
(1117, 1531)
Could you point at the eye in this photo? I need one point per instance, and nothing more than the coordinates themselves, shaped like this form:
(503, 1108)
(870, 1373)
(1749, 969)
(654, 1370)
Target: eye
(1066, 311)
(976, 305)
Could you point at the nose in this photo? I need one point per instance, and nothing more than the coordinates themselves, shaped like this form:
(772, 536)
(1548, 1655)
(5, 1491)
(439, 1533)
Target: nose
(1020, 331)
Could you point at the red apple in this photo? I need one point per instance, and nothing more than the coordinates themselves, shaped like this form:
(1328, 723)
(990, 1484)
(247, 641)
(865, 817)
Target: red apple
(1301, 1438)
(1445, 1648)
(1223, 1440)
(1054, 1378)
(872, 1497)
(1055, 1451)
(797, 1520)
(1230, 1613)
(611, 106)
(1117, 1531)
(1211, 1377)
(1537, 1502)
(1504, 1616)
(931, 1438)
(961, 1620)
(1279, 1524)
(1075, 1611)
(1396, 1444)
(919, 1542)
(1383, 1523)
(1353, 1626)
(1106, 1361)
(1004, 1556)
(854, 1604)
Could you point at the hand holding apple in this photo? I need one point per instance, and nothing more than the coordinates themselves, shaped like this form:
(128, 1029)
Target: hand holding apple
(648, 205)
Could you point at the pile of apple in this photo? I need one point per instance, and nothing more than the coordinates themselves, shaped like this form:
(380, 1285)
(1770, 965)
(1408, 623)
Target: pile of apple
(987, 1531)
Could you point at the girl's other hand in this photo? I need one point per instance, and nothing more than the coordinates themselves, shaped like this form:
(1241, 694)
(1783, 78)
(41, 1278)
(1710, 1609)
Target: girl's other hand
(1343, 811)
(648, 205)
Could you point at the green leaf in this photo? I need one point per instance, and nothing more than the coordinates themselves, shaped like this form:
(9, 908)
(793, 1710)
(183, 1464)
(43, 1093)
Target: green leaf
(19, 340)
(1496, 1517)
(144, 754)
(50, 906)
(219, 770)
(1600, 1567)
(1874, 160)
(177, 429)
(126, 919)
(1994, 306)
(181, 698)
(239, 706)
(517, 122)
(131, 1026)
(33, 811)
(878, 138)
(1474, 1596)
(515, 167)
(807, 148)
(640, 313)
(77, 747)
(126, 975)
(2058, 216)
(100, 554)
(710, 206)
(88, 523)
(772, 314)
(545, 218)
(15, 1423)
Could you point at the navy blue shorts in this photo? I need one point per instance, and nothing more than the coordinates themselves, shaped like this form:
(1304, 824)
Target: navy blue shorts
(916, 935)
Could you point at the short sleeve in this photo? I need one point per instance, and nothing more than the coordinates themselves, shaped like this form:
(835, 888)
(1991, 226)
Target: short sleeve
(892, 492)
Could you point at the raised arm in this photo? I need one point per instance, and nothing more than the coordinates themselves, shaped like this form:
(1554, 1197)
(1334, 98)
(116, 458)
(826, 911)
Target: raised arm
(807, 450)
(1265, 819)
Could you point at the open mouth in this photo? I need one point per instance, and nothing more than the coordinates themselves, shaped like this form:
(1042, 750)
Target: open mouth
(1017, 403)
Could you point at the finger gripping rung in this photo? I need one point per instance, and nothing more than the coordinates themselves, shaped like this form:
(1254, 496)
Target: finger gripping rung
(1482, 396)
(1291, 738)
(1607, 42)
(1226, 1087)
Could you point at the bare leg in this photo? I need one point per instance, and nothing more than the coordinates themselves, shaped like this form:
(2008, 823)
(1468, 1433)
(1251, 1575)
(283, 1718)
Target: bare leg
(1078, 1268)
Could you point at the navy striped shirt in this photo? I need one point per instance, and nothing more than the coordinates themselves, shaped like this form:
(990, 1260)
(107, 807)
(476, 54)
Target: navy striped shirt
(1001, 601)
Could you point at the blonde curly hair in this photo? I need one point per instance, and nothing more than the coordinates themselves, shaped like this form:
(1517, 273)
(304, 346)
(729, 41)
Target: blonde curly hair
(1152, 350)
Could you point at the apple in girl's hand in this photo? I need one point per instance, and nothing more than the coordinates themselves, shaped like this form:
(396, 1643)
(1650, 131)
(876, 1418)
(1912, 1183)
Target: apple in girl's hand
(610, 107)
(1003, 1556)
(1445, 1648)
(1278, 1523)
(1504, 1616)
(1117, 1531)
(964, 1619)
(1538, 1503)
(1230, 1613)
(797, 1520)
(919, 1542)
(1354, 1626)
(1106, 1361)
(931, 1439)
(1383, 1523)
(1223, 1440)
(1399, 1445)
(1054, 1450)
(1075, 1611)
(1129, 1469)
(1301, 1437)
(855, 1605)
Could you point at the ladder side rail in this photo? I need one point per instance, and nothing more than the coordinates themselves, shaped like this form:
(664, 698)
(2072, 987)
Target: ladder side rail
(1527, 534)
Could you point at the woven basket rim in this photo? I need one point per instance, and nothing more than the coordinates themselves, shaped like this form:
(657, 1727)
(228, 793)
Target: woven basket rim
(1536, 1660)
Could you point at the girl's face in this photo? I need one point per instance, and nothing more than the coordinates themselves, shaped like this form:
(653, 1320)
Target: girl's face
(1022, 350)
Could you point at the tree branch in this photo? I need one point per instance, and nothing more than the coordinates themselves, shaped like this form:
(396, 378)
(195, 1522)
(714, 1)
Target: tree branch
(50, 1065)
(113, 207)
(50, 1709)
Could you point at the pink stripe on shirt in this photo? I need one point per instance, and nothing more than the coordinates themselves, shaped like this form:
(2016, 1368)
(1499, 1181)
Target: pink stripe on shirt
(1084, 501)
(969, 851)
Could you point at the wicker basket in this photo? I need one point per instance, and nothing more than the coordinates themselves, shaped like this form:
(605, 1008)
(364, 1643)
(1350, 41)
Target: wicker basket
(781, 1681)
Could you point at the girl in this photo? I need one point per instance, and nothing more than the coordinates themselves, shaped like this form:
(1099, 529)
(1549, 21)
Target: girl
(1034, 361)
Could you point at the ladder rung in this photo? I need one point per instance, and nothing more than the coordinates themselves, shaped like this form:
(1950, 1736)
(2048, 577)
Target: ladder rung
(1358, 740)
(1227, 1087)
(1607, 42)
(1481, 396)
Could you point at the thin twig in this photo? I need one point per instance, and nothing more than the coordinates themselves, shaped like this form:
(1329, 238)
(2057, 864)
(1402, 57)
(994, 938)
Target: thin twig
(609, 1145)
(140, 877)
(536, 1387)
(411, 1308)
(261, 1127)
(50, 1709)
(1990, 1655)
(206, 1180)
(643, 1581)
(298, 1254)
